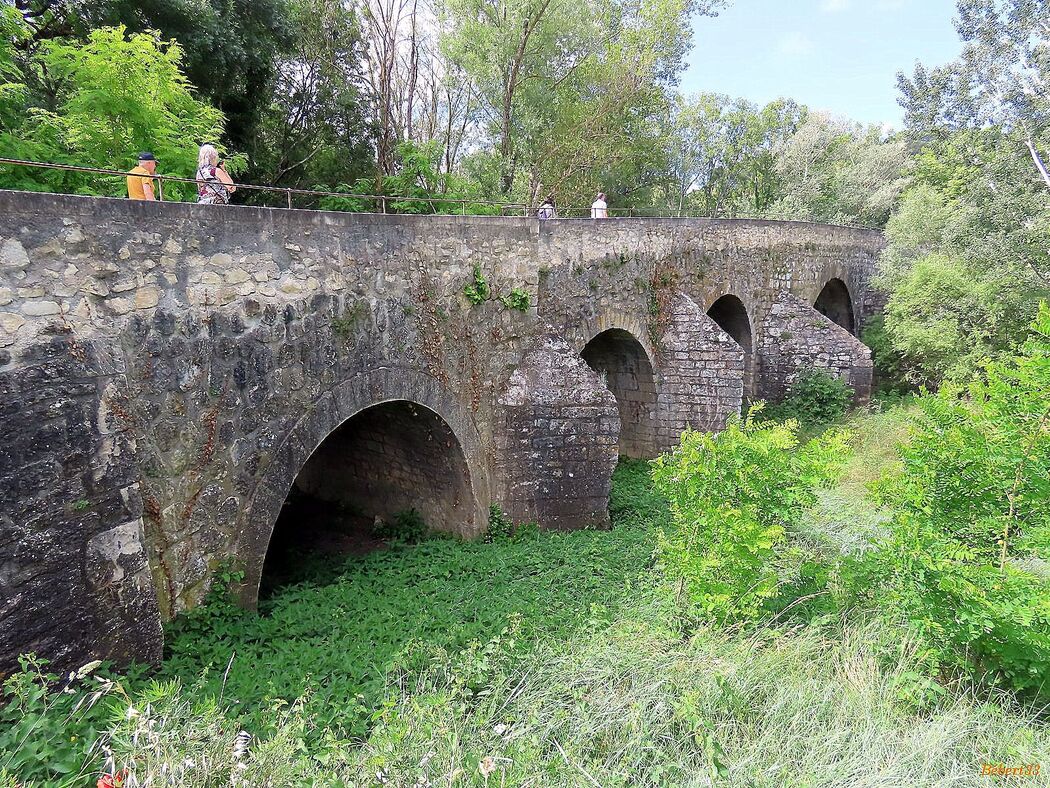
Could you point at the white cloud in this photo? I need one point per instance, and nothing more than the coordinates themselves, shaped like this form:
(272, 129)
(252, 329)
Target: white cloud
(834, 6)
(794, 44)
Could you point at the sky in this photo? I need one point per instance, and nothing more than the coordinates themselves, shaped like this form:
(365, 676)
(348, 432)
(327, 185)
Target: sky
(838, 56)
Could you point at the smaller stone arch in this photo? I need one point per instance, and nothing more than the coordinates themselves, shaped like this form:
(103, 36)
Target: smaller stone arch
(627, 371)
(836, 304)
(730, 314)
(385, 392)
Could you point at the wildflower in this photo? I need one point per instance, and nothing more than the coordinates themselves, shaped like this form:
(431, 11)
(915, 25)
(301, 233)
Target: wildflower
(487, 766)
(115, 780)
(500, 729)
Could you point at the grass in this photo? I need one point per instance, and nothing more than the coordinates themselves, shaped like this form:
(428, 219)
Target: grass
(844, 520)
(394, 610)
(551, 660)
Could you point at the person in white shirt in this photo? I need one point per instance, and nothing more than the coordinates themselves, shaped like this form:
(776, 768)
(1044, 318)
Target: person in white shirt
(599, 208)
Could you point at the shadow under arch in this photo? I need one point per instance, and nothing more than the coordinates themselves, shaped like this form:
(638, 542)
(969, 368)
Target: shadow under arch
(405, 425)
(836, 304)
(731, 316)
(626, 369)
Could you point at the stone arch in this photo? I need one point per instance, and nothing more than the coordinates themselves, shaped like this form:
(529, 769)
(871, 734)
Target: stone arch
(836, 304)
(387, 392)
(731, 315)
(627, 370)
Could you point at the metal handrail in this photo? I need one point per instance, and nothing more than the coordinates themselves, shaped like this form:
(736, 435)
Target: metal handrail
(383, 199)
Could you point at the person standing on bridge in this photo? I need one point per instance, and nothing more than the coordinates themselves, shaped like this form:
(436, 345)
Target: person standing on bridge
(214, 184)
(140, 182)
(600, 208)
(547, 210)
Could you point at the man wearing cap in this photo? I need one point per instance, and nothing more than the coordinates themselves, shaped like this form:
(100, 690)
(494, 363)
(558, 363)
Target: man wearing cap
(140, 184)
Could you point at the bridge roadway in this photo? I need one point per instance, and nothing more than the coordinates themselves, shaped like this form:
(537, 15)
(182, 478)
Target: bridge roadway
(170, 374)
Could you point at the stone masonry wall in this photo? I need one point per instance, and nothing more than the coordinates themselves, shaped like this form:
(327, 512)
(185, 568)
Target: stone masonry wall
(795, 337)
(73, 563)
(167, 371)
(625, 369)
(557, 419)
(390, 458)
(702, 374)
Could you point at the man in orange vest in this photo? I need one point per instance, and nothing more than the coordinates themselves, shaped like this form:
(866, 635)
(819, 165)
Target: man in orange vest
(140, 184)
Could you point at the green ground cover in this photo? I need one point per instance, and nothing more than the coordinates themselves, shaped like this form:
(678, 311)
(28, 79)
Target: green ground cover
(550, 659)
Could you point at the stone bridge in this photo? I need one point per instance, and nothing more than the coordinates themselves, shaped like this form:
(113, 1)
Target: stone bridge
(169, 373)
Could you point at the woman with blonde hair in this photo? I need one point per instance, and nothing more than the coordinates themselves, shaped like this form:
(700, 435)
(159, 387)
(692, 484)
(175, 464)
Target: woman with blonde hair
(214, 184)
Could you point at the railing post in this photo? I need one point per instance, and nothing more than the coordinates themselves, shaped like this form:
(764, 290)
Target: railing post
(289, 193)
(382, 202)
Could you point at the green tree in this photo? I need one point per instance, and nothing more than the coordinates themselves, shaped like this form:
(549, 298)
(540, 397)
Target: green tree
(1001, 79)
(316, 127)
(722, 153)
(831, 171)
(230, 47)
(734, 496)
(120, 94)
(12, 85)
(573, 91)
(967, 260)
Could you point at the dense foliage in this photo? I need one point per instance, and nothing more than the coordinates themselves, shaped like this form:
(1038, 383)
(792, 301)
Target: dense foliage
(733, 498)
(967, 262)
(970, 524)
(815, 399)
(459, 106)
(539, 659)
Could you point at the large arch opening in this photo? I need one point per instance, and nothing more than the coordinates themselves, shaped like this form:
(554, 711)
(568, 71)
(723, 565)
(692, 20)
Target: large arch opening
(370, 473)
(625, 369)
(835, 304)
(731, 316)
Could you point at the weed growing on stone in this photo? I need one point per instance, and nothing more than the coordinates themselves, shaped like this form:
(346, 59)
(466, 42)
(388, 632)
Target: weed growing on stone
(477, 290)
(516, 299)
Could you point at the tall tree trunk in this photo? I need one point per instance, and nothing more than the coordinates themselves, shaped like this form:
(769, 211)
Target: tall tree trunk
(1038, 161)
(506, 144)
(413, 72)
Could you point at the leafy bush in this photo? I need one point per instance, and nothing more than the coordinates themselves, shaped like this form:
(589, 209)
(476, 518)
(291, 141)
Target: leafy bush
(408, 526)
(500, 525)
(891, 374)
(970, 524)
(732, 497)
(814, 399)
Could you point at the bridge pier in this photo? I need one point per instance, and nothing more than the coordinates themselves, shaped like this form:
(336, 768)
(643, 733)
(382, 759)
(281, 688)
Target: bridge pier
(795, 337)
(702, 373)
(556, 440)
